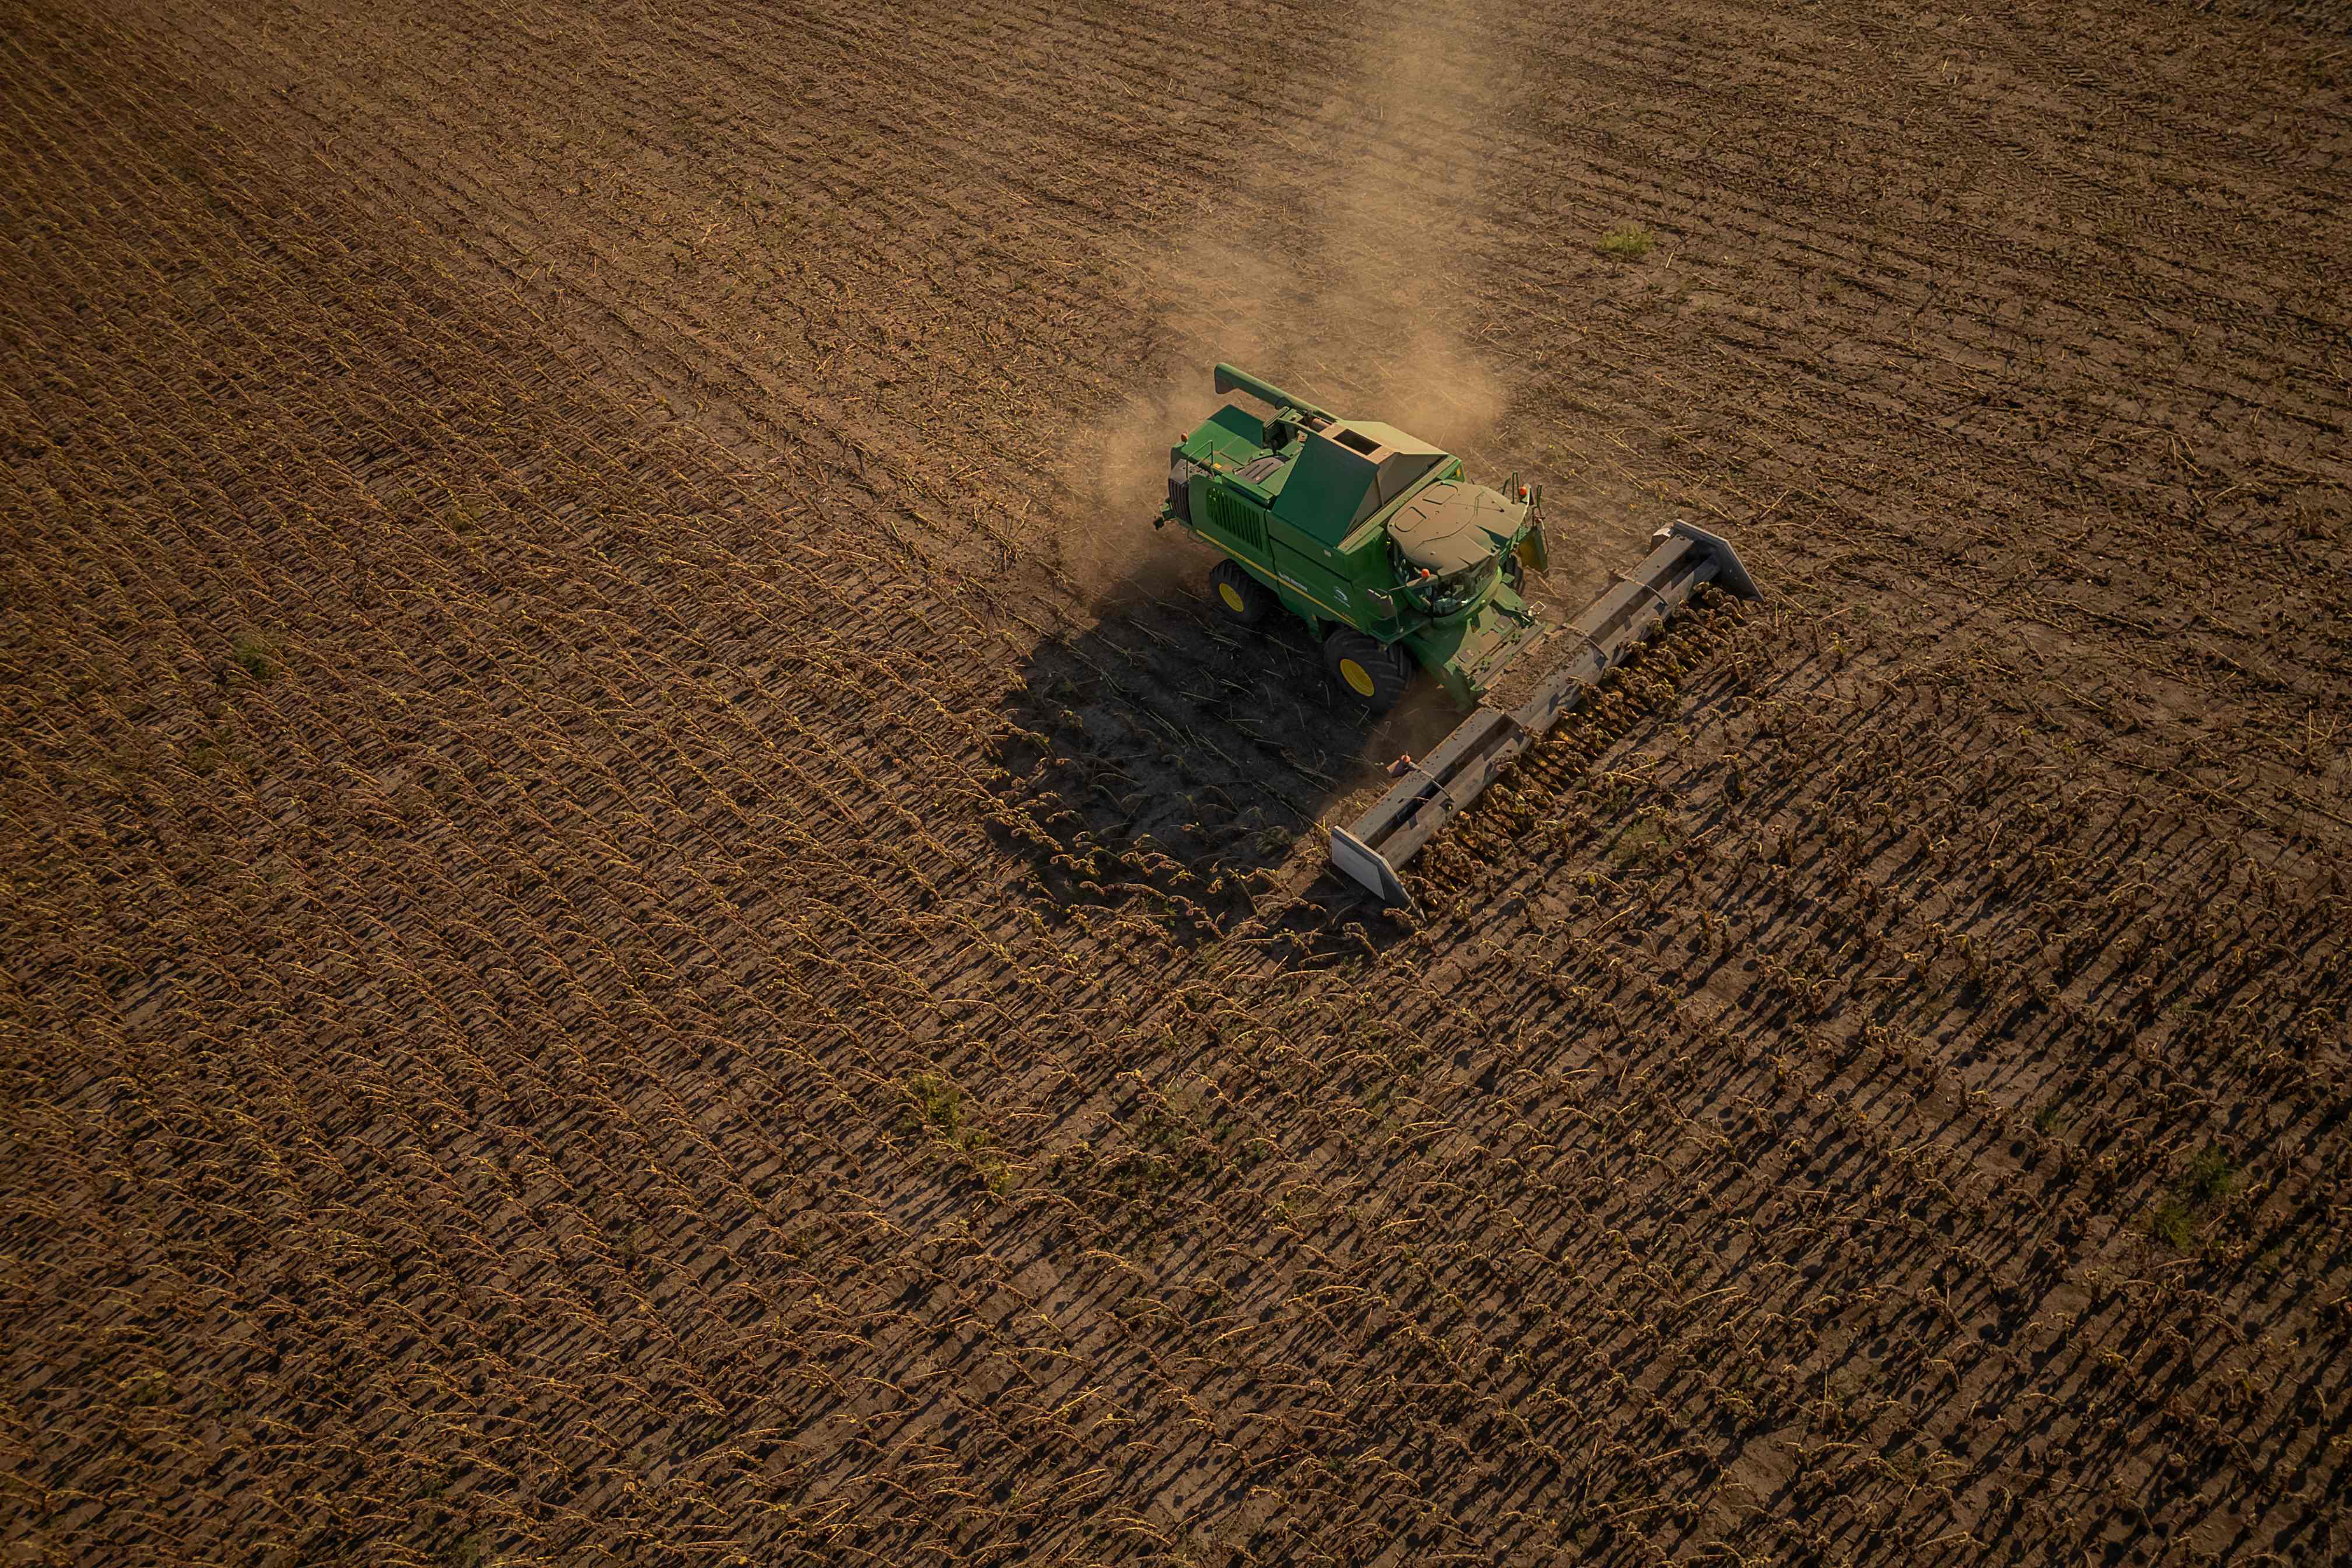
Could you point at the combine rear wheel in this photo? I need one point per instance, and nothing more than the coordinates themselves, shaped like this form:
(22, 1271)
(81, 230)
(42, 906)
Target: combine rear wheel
(1241, 598)
(1367, 673)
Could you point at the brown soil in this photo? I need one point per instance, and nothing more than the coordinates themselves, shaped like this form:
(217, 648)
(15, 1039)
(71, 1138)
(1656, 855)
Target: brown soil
(646, 924)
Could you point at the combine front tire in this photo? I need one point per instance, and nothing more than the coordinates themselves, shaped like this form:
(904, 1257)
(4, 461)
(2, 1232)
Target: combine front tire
(1367, 673)
(1241, 598)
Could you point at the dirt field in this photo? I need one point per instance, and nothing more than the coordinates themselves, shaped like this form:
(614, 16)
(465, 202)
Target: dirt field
(646, 924)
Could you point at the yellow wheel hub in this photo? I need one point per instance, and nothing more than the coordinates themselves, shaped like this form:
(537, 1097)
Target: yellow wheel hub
(1233, 597)
(1357, 677)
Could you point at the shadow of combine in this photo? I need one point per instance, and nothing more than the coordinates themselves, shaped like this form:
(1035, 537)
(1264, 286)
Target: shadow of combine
(1162, 758)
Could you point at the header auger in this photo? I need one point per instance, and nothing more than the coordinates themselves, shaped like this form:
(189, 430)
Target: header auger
(1376, 539)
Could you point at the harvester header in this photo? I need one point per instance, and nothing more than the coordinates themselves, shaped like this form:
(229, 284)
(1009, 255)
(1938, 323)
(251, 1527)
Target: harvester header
(1378, 541)
(1370, 849)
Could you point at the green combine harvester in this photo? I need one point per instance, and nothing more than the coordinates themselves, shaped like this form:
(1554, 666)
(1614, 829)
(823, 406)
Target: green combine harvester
(1394, 558)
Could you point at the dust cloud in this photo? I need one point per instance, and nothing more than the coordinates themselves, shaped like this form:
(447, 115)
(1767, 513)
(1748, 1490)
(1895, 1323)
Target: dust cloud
(1339, 269)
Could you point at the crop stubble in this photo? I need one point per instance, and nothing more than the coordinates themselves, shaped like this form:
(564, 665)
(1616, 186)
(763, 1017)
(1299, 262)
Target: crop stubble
(621, 951)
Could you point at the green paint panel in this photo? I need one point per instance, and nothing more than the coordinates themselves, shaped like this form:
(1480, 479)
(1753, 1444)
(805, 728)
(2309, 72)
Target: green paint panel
(1326, 498)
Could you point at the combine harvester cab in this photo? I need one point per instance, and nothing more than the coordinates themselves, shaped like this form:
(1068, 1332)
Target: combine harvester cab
(1376, 539)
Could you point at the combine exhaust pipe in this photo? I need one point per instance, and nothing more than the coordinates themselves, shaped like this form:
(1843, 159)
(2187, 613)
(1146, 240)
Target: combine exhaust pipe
(1372, 849)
